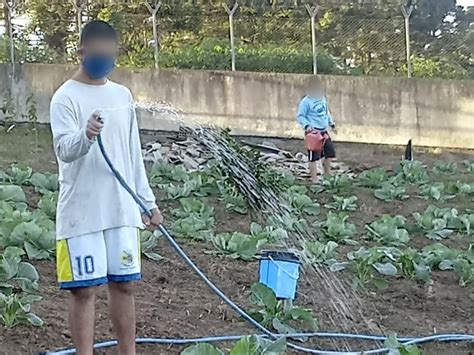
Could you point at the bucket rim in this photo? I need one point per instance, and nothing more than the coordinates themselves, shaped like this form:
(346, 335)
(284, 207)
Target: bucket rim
(279, 255)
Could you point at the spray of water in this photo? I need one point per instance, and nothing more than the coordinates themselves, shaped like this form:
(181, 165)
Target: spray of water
(329, 293)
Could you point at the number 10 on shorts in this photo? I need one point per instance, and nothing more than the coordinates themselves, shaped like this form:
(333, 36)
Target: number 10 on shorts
(85, 265)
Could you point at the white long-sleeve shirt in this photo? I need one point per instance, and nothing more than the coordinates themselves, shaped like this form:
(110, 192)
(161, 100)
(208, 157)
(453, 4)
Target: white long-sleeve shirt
(90, 198)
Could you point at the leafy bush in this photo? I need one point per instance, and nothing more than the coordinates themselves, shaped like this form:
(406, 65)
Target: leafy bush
(333, 183)
(413, 172)
(45, 183)
(19, 174)
(213, 54)
(389, 231)
(441, 167)
(191, 206)
(253, 345)
(300, 202)
(389, 192)
(18, 283)
(34, 232)
(373, 177)
(163, 173)
(16, 309)
(435, 191)
(318, 253)
(273, 312)
(439, 223)
(193, 226)
(413, 265)
(343, 203)
(13, 195)
(444, 258)
(337, 229)
(288, 223)
(237, 245)
(367, 263)
(269, 233)
(48, 204)
(469, 166)
(459, 188)
(148, 243)
(233, 199)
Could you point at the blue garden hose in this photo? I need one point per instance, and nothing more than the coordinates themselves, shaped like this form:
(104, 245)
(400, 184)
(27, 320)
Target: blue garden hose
(265, 332)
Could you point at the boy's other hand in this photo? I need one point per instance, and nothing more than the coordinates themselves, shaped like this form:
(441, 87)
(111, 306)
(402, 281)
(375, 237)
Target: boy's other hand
(155, 220)
(94, 126)
(308, 129)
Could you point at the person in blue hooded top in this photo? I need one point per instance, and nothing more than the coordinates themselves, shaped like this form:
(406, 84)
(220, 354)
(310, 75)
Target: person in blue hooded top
(313, 115)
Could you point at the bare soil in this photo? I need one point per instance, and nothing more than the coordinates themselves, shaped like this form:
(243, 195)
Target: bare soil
(172, 302)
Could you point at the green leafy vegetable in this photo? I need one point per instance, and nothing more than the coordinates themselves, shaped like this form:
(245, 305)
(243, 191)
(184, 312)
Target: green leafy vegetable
(12, 194)
(396, 348)
(373, 177)
(45, 183)
(389, 192)
(193, 226)
(389, 231)
(269, 233)
(233, 199)
(333, 183)
(16, 309)
(435, 191)
(288, 223)
(48, 204)
(318, 252)
(413, 172)
(237, 245)
(337, 229)
(148, 243)
(274, 313)
(469, 166)
(19, 174)
(441, 167)
(343, 203)
(367, 263)
(202, 349)
(163, 173)
(193, 206)
(460, 188)
(301, 202)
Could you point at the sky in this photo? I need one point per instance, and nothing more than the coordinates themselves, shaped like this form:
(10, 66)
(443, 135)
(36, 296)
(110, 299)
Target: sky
(466, 2)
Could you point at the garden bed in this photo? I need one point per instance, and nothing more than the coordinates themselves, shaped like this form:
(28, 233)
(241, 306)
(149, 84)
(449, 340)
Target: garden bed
(173, 302)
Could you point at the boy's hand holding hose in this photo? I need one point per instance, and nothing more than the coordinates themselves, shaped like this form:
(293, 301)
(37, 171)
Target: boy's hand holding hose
(95, 124)
(155, 220)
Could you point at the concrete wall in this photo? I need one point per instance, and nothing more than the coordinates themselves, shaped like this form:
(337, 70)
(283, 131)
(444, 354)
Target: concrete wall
(366, 109)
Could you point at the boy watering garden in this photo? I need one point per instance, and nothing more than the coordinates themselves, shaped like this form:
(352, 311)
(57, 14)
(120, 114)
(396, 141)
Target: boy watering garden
(316, 120)
(98, 222)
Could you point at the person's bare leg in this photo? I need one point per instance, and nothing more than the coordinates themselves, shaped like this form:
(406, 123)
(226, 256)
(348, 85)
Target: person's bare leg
(82, 319)
(122, 314)
(327, 166)
(313, 171)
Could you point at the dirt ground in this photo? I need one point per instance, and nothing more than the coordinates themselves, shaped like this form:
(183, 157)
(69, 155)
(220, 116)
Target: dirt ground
(173, 302)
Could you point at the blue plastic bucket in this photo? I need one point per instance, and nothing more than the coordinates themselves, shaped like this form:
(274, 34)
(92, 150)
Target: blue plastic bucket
(280, 271)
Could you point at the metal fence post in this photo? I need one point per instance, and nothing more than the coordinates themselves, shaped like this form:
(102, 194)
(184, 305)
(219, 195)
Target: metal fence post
(313, 12)
(154, 12)
(231, 13)
(406, 14)
(9, 7)
(79, 6)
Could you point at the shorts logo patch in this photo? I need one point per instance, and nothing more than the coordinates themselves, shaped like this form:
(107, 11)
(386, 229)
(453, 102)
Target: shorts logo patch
(126, 258)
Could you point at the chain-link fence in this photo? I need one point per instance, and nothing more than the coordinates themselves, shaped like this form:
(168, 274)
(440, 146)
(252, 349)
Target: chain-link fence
(337, 39)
